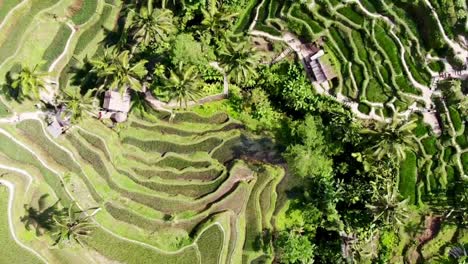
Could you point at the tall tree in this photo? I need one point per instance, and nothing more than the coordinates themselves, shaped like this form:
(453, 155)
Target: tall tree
(76, 103)
(182, 84)
(151, 25)
(28, 83)
(387, 206)
(119, 73)
(240, 61)
(392, 139)
(73, 226)
(217, 21)
(292, 247)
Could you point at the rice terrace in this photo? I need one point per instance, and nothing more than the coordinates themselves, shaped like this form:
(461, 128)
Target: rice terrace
(233, 131)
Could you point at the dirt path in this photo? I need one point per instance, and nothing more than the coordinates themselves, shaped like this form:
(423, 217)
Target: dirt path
(457, 48)
(11, 188)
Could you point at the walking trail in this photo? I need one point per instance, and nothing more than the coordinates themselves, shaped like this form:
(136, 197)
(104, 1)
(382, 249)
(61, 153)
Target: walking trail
(427, 92)
(11, 188)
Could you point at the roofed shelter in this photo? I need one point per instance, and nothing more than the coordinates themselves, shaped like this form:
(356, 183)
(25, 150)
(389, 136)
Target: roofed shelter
(117, 102)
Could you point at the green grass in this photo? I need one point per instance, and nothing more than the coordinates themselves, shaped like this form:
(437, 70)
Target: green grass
(56, 47)
(456, 119)
(165, 129)
(91, 32)
(11, 252)
(86, 11)
(33, 130)
(6, 6)
(352, 15)
(464, 160)
(181, 163)
(95, 142)
(4, 110)
(375, 92)
(254, 215)
(211, 244)
(159, 146)
(207, 174)
(408, 177)
(17, 153)
(132, 253)
(16, 30)
(430, 145)
(193, 190)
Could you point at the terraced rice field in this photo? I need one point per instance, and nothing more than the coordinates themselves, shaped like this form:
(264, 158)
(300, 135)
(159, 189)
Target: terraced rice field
(52, 33)
(174, 198)
(378, 59)
(381, 56)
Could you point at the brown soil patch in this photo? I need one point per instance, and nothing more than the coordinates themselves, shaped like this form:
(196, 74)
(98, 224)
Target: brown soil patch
(431, 228)
(75, 7)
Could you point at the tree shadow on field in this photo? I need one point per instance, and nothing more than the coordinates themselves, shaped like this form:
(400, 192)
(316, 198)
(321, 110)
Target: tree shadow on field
(41, 217)
(9, 93)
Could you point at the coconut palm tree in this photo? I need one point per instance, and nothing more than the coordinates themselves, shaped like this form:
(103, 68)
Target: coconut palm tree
(239, 60)
(28, 83)
(76, 103)
(183, 84)
(392, 139)
(217, 21)
(387, 206)
(118, 73)
(73, 226)
(151, 25)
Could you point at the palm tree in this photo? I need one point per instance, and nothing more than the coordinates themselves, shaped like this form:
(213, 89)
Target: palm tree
(28, 83)
(387, 206)
(76, 103)
(239, 60)
(118, 73)
(183, 84)
(217, 21)
(73, 226)
(151, 25)
(393, 138)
